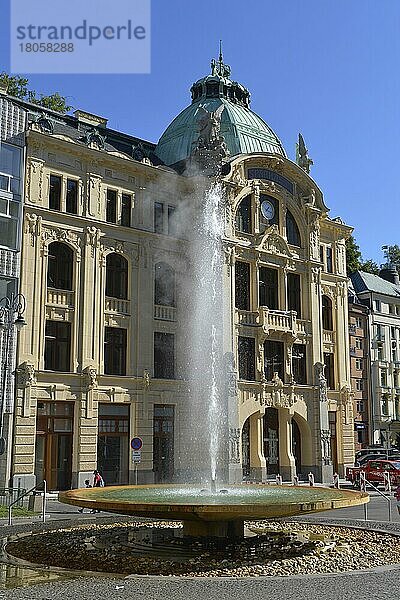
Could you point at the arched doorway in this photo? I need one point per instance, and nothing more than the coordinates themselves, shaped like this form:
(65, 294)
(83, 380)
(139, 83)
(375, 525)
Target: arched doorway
(271, 440)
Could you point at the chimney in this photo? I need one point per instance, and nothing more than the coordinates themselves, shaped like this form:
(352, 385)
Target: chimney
(90, 119)
(389, 272)
(3, 87)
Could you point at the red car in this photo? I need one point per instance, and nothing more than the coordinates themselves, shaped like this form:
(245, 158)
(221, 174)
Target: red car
(374, 471)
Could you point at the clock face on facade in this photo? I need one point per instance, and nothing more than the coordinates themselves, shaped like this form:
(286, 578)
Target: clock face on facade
(267, 210)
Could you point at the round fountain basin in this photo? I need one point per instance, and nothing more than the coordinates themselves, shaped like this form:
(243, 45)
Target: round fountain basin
(193, 503)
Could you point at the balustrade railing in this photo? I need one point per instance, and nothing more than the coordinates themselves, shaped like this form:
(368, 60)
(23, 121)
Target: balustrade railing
(60, 297)
(117, 305)
(164, 313)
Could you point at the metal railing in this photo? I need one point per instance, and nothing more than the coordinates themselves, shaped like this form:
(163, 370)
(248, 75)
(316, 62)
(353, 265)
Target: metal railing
(363, 487)
(42, 484)
(8, 495)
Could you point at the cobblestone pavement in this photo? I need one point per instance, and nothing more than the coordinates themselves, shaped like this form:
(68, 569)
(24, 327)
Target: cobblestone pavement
(378, 584)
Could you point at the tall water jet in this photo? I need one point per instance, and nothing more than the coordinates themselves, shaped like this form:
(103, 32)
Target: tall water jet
(205, 361)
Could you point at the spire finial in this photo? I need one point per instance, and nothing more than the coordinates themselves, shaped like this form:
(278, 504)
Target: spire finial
(219, 67)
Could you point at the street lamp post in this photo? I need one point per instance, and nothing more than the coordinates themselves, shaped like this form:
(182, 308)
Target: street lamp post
(11, 315)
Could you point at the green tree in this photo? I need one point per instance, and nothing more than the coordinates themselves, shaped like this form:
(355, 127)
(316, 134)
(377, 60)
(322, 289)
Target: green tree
(393, 256)
(369, 266)
(353, 256)
(18, 87)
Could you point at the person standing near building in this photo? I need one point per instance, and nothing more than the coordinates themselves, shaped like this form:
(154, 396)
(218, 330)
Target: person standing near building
(87, 485)
(98, 481)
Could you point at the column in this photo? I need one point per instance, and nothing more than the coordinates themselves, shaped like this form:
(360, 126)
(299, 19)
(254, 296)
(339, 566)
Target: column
(287, 465)
(258, 470)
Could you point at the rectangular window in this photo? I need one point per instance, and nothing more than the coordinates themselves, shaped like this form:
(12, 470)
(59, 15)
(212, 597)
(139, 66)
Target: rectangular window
(8, 232)
(268, 288)
(246, 358)
(242, 285)
(57, 350)
(172, 224)
(378, 305)
(55, 192)
(114, 351)
(274, 360)
(111, 207)
(329, 370)
(294, 293)
(359, 343)
(360, 406)
(329, 259)
(158, 217)
(299, 358)
(126, 208)
(359, 385)
(72, 197)
(358, 322)
(383, 378)
(359, 364)
(164, 355)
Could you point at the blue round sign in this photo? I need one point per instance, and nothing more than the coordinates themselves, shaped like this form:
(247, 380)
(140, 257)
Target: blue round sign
(136, 443)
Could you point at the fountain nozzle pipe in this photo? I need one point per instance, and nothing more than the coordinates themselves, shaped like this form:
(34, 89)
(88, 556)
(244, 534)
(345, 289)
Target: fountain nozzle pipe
(213, 485)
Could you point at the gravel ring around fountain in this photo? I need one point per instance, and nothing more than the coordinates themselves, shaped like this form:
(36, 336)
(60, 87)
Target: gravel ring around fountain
(347, 560)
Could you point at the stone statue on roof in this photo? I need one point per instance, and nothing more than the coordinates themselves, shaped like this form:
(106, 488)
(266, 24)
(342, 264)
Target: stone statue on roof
(302, 158)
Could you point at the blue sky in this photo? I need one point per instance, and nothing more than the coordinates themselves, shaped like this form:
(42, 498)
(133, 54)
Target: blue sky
(327, 69)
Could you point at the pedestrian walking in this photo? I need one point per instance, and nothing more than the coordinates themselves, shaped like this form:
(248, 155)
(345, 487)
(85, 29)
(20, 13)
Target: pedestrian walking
(98, 481)
(87, 485)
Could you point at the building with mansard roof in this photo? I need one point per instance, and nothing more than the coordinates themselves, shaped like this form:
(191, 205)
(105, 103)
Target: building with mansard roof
(103, 355)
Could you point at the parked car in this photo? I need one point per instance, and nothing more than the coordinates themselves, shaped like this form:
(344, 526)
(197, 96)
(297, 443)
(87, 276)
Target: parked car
(366, 457)
(378, 449)
(374, 471)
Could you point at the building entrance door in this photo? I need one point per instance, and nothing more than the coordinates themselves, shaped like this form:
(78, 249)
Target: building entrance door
(163, 443)
(113, 443)
(53, 453)
(271, 440)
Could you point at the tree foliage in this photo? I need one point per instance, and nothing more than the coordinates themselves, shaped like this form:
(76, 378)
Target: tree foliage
(353, 256)
(369, 266)
(393, 256)
(18, 87)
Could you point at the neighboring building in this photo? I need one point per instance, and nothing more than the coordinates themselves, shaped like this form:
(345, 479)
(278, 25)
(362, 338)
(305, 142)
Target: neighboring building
(103, 356)
(360, 369)
(381, 294)
(12, 141)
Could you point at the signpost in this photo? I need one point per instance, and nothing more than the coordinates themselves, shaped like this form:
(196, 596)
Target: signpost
(136, 445)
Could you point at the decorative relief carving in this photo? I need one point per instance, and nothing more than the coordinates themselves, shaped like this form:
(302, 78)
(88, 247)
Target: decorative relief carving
(89, 375)
(26, 375)
(346, 402)
(92, 238)
(271, 241)
(57, 234)
(234, 445)
(321, 382)
(326, 446)
(278, 395)
(33, 227)
(146, 379)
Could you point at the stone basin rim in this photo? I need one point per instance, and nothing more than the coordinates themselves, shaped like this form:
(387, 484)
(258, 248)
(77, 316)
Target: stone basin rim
(184, 510)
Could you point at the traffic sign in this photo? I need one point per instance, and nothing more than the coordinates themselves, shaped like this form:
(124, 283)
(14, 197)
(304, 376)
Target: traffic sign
(136, 443)
(136, 456)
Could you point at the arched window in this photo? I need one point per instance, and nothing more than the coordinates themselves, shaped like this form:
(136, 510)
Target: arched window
(243, 215)
(292, 231)
(327, 313)
(117, 276)
(164, 285)
(60, 266)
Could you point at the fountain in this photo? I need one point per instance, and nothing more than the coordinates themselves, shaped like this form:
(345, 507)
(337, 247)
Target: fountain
(220, 510)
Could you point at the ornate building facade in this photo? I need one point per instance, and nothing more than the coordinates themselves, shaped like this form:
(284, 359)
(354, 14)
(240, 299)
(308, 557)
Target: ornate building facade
(105, 262)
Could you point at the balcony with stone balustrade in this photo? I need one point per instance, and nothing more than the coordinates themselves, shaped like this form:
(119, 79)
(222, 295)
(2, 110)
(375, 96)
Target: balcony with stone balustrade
(274, 320)
(63, 298)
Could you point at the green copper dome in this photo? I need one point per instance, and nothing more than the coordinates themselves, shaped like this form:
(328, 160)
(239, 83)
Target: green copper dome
(243, 131)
